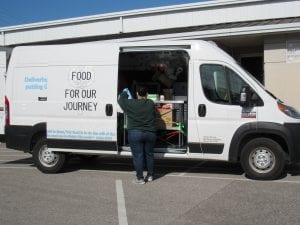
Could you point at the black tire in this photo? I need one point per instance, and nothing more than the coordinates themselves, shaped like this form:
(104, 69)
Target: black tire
(45, 160)
(263, 159)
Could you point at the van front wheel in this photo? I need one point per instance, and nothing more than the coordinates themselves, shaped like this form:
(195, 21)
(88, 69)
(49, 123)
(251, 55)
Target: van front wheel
(263, 159)
(46, 160)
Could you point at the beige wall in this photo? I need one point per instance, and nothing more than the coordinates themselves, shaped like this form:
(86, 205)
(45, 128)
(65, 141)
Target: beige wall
(282, 77)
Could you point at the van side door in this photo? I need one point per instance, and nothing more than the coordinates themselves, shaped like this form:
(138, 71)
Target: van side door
(217, 90)
(85, 120)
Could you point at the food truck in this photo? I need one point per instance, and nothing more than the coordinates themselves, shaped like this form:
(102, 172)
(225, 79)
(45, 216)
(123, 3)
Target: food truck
(62, 100)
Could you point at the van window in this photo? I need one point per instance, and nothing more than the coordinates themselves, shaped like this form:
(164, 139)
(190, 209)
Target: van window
(214, 83)
(235, 84)
(222, 85)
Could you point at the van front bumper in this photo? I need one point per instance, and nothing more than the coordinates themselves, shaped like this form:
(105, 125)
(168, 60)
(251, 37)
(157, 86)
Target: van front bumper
(294, 136)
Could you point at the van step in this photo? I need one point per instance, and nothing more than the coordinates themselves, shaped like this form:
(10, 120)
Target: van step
(160, 150)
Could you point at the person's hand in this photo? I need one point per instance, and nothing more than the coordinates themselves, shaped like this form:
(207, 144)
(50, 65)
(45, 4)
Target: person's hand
(126, 90)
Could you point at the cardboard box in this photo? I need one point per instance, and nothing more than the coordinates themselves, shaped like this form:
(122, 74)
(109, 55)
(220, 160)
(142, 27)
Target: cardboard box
(164, 117)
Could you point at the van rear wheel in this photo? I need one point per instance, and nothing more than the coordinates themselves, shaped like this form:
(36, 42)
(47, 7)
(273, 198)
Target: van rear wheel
(46, 160)
(263, 159)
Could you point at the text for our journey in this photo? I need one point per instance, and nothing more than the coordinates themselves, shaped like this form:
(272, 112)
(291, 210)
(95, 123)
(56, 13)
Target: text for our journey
(83, 95)
(81, 98)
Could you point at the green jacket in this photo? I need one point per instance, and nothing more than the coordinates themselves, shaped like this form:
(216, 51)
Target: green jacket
(140, 113)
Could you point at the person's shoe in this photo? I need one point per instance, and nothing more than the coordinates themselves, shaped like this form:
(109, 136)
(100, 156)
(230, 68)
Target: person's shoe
(149, 179)
(138, 181)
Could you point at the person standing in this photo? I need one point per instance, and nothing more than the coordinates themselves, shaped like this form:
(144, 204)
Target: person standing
(141, 131)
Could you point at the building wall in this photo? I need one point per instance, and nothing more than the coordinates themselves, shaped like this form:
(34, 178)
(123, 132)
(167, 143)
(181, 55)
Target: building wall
(208, 19)
(282, 67)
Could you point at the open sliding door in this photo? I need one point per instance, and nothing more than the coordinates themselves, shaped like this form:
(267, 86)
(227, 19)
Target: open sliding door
(86, 104)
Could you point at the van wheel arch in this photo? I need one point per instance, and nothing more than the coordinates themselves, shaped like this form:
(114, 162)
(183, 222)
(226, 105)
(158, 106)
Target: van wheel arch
(250, 131)
(35, 138)
(38, 132)
(273, 137)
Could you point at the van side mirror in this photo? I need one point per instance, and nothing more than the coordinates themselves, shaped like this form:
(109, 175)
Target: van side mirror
(245, 96)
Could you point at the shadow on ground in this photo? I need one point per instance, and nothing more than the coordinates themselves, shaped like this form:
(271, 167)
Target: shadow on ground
(162, 166)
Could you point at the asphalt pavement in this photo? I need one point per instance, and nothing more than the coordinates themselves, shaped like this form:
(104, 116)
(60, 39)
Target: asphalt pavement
(101, 192)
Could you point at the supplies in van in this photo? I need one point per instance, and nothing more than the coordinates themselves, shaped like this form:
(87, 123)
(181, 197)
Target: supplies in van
(160, 74)
(168, 94)
(164, 116)
(153, 97)
(166, 74)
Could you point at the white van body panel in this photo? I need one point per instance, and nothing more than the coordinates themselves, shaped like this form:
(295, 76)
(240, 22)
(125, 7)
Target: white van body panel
(48, 90)
(2, 91)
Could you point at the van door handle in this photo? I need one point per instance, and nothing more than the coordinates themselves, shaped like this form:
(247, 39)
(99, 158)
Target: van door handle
(201, 110)
(109, 109)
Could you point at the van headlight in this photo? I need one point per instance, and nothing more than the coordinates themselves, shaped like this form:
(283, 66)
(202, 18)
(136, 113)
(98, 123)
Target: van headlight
(288, 110)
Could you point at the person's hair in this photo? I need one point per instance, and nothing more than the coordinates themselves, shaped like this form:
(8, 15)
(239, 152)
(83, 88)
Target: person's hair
(142, 91)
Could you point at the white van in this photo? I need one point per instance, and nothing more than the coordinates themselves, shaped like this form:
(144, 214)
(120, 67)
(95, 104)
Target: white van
(62, 99)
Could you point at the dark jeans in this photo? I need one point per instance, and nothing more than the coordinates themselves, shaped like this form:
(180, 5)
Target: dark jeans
(142, 144)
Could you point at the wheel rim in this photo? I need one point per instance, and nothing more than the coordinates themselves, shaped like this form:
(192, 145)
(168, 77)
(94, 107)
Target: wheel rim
(47, 157)
(262, 160)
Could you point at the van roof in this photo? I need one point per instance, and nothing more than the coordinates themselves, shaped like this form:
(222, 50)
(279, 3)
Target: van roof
(89, 52)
